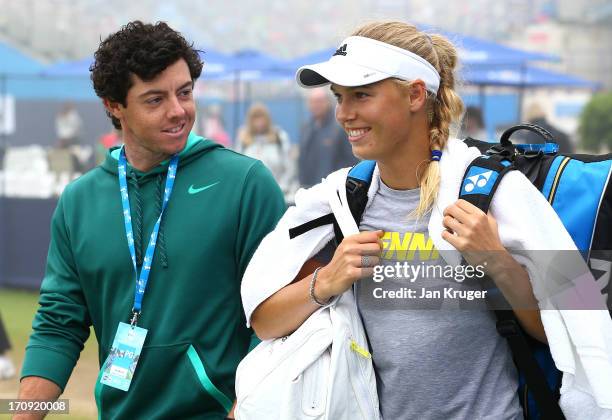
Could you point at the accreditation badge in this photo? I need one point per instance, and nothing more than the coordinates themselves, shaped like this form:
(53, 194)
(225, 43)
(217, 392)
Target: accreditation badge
(118, 370)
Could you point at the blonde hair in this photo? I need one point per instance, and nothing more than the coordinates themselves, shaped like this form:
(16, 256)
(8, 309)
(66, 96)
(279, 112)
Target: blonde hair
(443, 109)
(247, 133)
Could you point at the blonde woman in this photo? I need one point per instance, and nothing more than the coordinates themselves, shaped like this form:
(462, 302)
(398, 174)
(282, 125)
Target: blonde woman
(396, 99)
(261, 139)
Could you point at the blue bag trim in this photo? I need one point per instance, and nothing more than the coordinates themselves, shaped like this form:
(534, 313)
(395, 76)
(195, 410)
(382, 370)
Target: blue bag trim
(546, 148)
(577, 197)
(363, 170)
(504, 162)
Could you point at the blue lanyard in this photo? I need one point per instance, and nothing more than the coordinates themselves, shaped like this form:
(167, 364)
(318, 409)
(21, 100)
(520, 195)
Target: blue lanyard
(141, 281)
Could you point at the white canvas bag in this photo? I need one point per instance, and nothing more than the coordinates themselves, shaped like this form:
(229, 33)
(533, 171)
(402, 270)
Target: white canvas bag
(323, 370)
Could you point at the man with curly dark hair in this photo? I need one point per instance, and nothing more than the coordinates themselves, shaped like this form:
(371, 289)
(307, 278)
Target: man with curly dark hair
(169, 203)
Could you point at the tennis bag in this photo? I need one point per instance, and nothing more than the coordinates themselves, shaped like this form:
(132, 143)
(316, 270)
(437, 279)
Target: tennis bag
(577, 187)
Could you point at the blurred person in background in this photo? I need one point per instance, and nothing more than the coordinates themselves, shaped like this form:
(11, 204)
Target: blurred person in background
(68, 126)
(473, 123)
(324, 146)
(170, 203)
(7, 370)
(65, 158)
(259, 138)
(107, 141)
(214, 127)
(536, 115)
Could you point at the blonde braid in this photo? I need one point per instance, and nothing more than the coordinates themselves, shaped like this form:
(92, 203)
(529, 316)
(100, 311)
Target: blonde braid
(443, 109)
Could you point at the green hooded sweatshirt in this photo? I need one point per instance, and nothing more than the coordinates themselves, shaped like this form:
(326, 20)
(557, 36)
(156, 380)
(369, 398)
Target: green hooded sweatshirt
(221, 207)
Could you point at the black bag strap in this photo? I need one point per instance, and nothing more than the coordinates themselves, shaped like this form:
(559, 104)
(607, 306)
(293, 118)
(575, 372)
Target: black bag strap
(357, 185)
(308, 226)
(509, 328)
(481, 179)
(480, 182)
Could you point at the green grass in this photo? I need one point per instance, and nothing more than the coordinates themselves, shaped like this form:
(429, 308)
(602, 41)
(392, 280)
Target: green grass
(17, 309)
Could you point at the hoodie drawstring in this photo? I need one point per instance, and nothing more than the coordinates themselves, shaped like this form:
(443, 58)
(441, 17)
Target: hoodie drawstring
(137, 218)
(137, 221)
(161, 237)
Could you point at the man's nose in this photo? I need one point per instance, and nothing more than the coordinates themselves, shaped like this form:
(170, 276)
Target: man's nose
(175, 108)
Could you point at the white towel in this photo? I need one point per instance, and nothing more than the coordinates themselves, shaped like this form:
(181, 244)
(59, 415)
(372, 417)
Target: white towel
(580, 340)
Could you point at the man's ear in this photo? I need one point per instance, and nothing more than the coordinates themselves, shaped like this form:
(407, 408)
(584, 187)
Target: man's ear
(113, 108)
(417, 92)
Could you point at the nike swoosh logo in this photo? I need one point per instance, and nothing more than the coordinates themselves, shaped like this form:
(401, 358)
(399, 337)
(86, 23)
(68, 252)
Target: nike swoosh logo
(193, 190)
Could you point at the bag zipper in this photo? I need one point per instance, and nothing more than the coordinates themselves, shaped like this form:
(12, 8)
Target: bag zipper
(312, 389)
(360, 350)
(364, 395)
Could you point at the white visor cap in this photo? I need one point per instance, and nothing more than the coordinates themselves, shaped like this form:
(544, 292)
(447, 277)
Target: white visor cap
(361, 61)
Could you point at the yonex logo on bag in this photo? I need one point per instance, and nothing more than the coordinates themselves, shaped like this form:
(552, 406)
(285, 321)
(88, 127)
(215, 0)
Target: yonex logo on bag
(341, 50)
(479, 181)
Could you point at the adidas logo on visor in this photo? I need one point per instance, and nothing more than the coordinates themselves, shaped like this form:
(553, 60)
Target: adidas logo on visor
(370, 61)
(341, 50)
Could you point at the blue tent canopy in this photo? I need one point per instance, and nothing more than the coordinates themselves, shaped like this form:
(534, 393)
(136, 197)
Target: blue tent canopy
(478, 52)
(69, 68)
(524, 77)
(473, 53)
(251, 65)
(251, 59)
(216, 64)
(22, 79)
(14, 62)
(246, 64)
(311, 58)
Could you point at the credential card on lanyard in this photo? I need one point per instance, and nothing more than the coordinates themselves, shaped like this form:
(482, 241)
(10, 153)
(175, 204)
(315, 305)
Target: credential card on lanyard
(119, 368)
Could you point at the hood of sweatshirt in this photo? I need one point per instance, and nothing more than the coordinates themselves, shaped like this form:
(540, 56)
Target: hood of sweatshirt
(195, 147)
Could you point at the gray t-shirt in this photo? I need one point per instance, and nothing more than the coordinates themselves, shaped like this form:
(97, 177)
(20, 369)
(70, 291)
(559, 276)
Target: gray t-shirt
(434, 358)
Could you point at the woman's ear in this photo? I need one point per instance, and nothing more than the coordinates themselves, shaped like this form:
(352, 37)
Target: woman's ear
(418, 95)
